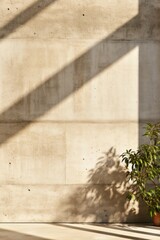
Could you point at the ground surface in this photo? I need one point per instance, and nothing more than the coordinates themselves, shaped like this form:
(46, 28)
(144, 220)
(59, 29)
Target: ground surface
(78, 231)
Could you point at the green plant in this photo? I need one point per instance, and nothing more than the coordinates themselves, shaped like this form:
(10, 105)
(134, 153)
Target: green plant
(143, 169)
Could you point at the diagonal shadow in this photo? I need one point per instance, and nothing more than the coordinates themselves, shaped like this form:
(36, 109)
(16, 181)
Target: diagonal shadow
(24, 17)
(128, 229)
(64, 83)
(101, 232)
(149, 71)
(79, 72)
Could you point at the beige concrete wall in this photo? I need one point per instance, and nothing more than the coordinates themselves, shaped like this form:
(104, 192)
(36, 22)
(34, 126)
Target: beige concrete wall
(78, 79)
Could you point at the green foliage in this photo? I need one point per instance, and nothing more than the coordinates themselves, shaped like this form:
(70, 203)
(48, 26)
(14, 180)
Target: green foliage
(143, 169)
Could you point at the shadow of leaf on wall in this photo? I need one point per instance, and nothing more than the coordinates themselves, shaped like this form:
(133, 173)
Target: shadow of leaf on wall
(103, 197)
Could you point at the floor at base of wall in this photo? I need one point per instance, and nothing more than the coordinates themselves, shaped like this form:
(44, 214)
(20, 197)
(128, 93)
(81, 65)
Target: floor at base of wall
(66, 231)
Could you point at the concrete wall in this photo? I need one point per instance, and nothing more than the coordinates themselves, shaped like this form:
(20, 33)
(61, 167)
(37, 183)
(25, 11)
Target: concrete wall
(78, 80)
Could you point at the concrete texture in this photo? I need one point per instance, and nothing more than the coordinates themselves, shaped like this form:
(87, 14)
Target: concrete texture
(85, 148)
(70, 203)
(78, 81)
(78, 231)
(87, 76)
(33, 156)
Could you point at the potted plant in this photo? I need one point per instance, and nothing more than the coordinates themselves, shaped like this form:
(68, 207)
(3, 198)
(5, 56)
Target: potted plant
(143, 171)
